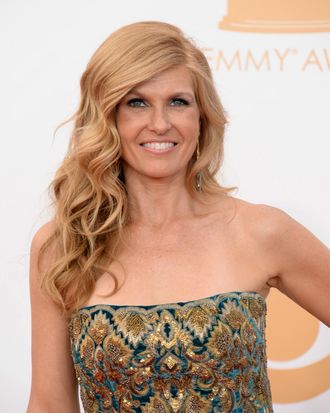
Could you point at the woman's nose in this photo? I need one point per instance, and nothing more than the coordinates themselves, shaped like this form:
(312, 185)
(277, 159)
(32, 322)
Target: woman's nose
(159, 121)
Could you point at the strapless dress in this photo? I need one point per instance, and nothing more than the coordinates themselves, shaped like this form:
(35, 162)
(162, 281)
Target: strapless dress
(205, 355)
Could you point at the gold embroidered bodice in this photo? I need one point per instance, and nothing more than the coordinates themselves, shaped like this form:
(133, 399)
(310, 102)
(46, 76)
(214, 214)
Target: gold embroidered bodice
(206, 355)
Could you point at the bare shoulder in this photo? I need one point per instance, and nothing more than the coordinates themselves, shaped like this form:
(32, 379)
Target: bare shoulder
(42, 234)
(54, 386)
(302, 260)
(38, 240)
(273, 228)
(258, 211)
(261, 225)
(273, 225)
(267, 222)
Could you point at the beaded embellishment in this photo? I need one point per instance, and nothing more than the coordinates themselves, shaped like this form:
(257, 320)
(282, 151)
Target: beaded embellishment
(206, 355)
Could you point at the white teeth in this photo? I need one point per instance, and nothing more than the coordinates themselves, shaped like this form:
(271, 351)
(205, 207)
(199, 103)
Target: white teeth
(158, 145)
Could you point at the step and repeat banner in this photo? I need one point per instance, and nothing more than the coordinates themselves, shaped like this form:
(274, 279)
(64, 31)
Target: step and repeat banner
(285, 41)
(271, 65)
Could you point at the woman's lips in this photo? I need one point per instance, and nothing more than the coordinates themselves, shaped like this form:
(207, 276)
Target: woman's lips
(159, 147)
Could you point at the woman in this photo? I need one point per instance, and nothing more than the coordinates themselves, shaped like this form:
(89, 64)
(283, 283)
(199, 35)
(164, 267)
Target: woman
(148, 286)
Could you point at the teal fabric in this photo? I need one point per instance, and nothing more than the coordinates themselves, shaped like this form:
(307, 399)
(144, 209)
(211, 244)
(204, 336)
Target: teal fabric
(206, 355)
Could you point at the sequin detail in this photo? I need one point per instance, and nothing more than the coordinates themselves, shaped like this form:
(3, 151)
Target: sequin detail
(206, 355)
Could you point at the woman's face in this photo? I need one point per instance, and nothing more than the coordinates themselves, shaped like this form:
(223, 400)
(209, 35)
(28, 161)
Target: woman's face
(158, 122)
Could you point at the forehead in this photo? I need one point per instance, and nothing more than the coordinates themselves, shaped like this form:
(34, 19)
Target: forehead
(177, 79)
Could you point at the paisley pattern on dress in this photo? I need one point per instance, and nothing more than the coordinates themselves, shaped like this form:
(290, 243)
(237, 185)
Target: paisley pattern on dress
(206, 355)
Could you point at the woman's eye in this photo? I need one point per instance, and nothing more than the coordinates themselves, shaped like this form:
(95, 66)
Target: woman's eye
(136, 102)
(180, 101)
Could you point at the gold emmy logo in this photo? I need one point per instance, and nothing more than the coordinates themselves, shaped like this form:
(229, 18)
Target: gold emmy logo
(277, 16)
(291, 331)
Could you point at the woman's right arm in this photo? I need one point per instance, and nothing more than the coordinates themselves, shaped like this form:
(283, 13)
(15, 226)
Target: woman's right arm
(54, 386)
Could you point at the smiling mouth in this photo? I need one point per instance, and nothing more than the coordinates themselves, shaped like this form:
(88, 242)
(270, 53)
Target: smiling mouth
(158, 146)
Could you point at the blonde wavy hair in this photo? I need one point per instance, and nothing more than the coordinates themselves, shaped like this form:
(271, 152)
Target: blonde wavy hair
(88, 191)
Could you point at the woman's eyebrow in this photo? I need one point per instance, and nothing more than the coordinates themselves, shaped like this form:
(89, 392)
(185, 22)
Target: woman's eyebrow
(178, 93)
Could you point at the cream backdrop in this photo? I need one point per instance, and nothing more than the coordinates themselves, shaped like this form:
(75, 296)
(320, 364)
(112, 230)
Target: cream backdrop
(271, 62)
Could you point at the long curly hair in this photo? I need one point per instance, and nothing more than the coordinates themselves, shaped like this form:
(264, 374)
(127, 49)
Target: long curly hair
(88, 192)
